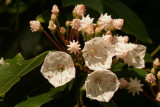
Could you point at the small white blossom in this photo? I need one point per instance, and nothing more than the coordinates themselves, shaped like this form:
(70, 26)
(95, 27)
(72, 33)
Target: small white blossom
(105, 21)
(74, 47)
(52, 26)
(79, 10)
(85, 22)
(2, 61)
(58, 68)
(150, 78)
(156, 62)
(35, 26)
(134, 86)
(117, 23)
(76, 23)
(98, 54)
(123, 83)
(55, 10)
(101, 85)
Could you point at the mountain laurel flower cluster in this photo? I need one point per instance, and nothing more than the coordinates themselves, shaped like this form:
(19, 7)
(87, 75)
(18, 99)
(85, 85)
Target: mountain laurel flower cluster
(90, 48)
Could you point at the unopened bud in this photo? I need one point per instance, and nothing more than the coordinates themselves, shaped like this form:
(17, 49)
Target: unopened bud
(118, 23)
(156, 62)
(68, 23)
(52, 26)
(158, 97)
(158, 75)
(153, 71)
(98, 30)
(53, 17)
(55, 10)
(62, 30)
(35, 26)
(123, 82)
(79, 11)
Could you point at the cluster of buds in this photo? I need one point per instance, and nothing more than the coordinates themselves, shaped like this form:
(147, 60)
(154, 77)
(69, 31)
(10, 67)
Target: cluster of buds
(153, 78)
(100, 46)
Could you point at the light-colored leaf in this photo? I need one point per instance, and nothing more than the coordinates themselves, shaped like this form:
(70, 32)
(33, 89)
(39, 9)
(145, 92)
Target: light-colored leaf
(13, 69)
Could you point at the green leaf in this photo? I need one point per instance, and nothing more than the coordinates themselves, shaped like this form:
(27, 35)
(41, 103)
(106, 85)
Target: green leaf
(108, 104)
(94, 4)
(40, 99)
(13, 69)
(132, 23)
(44, 17)
(148, 58)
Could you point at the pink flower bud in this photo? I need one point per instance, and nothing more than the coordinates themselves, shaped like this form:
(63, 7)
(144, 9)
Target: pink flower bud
(158, 75)
(76, 24)
(123, 82)
(156, 62)
(118, 23)
(79, 10)
(35, 26)
(55, 10)
(62, 30)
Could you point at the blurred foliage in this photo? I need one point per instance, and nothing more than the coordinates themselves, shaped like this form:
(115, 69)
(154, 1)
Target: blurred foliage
(141, 19)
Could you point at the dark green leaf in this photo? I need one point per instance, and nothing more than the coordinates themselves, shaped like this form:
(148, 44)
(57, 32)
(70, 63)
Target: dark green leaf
(40, 99)
(132, 23)
(108, 104)
(94, 4)
(148, 58)
(13, 69)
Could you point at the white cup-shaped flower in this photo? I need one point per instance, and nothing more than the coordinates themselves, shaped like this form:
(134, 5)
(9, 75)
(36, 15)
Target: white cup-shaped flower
(98, 54)
(101, 85)
(58, 68)
(135, 57)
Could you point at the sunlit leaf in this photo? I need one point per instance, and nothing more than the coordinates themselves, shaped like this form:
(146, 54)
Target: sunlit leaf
(13, 69)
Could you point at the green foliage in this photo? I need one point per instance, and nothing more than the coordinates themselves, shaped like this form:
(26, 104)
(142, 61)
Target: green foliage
(40, 99)
(13, 69)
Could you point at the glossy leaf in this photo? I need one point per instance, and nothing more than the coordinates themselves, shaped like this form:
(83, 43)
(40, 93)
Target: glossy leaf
(132, 23)
(40, 99)
(94, 4)
(13, 69)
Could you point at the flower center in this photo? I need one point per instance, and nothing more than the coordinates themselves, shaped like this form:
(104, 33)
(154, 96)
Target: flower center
(98, 79)
(92, 52)
(60, 67)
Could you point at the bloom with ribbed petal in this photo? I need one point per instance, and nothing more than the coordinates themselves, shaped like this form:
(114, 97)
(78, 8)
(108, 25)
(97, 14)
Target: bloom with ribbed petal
(134, 86)
(86, 21)
(101, 85)
(58, 68)
(105, 21)
(98, 54)
(74, 47)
